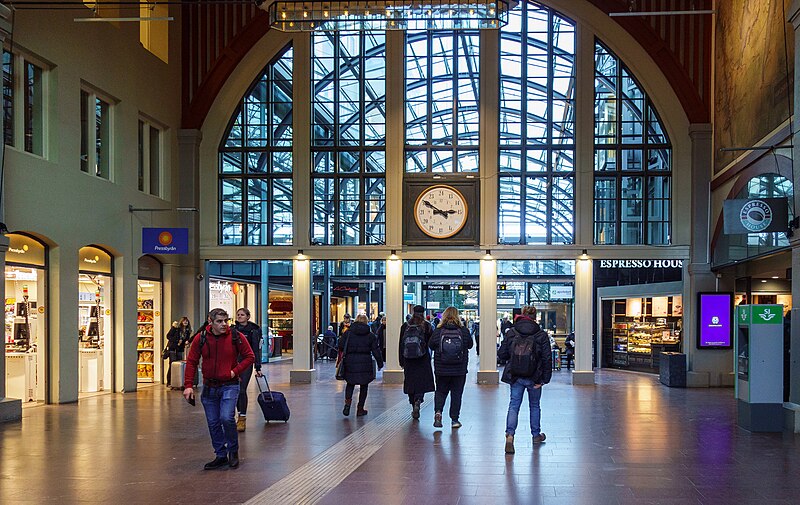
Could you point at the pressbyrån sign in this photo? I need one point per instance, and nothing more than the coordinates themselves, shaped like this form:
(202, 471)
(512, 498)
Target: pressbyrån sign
(165, 240)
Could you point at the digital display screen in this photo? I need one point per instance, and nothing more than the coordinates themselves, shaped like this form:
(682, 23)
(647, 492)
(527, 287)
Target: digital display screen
(715, 320)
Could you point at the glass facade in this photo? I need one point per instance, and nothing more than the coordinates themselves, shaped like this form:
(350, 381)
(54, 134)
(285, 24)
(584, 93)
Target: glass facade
(349, 138)
(632, 160)
(255, 162)
(537, 128)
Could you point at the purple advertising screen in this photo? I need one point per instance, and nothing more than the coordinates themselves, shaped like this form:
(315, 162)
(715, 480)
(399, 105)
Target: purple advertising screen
(715, 320)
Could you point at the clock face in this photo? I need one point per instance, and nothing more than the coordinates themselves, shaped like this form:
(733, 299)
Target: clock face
(440, 211)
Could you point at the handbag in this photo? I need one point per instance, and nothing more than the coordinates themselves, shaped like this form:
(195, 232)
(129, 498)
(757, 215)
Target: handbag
(165, 353)
(340, 361)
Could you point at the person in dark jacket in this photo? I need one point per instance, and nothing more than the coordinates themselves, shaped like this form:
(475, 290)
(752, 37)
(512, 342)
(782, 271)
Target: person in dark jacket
(381, 334)
(345, 325)
(359, 346)
(418, 376)
(450, 376)
(526, 327)
(569, 349)
(220, 349)
(177, 338)
(252, 332)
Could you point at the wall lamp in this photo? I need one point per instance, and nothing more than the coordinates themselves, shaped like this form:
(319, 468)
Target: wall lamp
(300, 256)
(584, 255)
(488, 256)
(394, 256)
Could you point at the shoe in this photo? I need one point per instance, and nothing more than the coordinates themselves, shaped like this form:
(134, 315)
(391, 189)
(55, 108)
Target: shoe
(233, 460)
(218, 462)
(346, 409)
(538, 439)
(361, 412)
(437, 420)
(415, 410)
(241, 423)
(456, 424)
(509, 444)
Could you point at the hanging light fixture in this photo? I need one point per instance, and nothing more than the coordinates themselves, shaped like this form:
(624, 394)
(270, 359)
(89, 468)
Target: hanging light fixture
(297, 16)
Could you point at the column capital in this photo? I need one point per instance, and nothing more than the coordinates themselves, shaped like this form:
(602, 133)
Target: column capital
(190, 136)
(702, 130)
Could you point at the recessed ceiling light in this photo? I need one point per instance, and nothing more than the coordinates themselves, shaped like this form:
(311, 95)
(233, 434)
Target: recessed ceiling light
(763, 280)
(775, 277)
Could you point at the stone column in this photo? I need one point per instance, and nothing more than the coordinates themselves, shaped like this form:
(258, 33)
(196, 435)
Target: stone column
(186, 279)
(487, 372)
(264, 307)
(395, 315)
(302, 369)
(583, 374)
(792, 408)
(62, 317)
(10, 408)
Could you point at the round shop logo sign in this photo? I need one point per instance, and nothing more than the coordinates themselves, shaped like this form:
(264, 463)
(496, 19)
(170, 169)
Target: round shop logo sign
(755, 216)
(165, 238)
(715, 320)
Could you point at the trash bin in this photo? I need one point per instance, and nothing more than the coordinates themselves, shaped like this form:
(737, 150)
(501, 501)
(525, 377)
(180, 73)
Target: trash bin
(672, 369)
(276, 345)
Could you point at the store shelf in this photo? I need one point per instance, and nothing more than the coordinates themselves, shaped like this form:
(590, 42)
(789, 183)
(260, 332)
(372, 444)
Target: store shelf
(144, 322)
(145, 310)
(144, 379)
(144, 362)
(144, 349)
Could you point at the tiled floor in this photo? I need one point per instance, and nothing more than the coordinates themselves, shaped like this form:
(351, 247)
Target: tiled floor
(627, 440)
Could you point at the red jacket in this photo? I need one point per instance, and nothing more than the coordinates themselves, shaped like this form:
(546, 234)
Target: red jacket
(219, 358)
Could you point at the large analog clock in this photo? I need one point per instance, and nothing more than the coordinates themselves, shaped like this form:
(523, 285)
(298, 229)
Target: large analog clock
(441, 211)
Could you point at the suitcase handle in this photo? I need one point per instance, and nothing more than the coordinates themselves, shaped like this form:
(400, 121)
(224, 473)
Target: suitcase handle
(266, 385)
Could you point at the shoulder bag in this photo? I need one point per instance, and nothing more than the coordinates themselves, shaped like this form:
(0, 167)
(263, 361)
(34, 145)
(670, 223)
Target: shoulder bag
(340, 361)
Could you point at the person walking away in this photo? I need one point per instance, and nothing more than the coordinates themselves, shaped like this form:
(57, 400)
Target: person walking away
(569, 348)
(220, 347)
(450, 343)
(381, 334)
(177, 337)
(526, 348)
(252, 333)
(359, 346)
(415, 360)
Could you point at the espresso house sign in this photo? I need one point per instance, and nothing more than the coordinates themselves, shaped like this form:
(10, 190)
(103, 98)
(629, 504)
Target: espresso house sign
(641, 263)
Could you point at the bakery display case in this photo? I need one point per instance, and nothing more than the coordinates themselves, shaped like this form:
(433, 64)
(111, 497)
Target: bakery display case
(148, 335)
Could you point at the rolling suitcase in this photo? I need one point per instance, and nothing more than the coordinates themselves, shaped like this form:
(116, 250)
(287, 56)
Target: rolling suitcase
(273, 404)
(177, 370)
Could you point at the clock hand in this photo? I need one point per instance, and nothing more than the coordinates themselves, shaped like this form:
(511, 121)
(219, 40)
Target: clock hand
(436, 210)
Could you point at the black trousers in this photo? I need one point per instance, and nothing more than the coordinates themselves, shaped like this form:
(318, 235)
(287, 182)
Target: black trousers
(363, 389)
(241, 402)
(454, 385)
(416, 396)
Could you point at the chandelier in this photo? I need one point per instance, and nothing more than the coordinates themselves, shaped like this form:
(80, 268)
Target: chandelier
(296, 16)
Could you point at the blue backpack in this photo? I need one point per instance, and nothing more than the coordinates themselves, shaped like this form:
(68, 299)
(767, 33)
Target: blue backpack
(451, 346)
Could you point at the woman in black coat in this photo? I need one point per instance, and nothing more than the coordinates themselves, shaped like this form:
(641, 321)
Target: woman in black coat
(359, 345)
(418, 377)
(450, 375)
(178, 336)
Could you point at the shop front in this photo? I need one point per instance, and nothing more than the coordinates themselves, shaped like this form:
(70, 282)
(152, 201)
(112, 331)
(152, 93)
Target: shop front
(640, 312)
(95, 320)
(150, 329)
(25, 318)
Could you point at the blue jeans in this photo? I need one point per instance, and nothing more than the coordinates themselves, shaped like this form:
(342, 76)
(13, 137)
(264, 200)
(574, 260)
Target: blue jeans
(220, 405)
(518, 389)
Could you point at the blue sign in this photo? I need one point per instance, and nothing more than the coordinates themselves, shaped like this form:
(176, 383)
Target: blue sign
(165, 240)
(408, 297)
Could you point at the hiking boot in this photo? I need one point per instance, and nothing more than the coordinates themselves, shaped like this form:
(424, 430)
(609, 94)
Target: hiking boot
(233, 460)
(346, 409)
(241, 423)
(538, 439)
(415, 410)
(437, 420)
(456, 424)
(509, 444)
(361, 412)
(218, 462)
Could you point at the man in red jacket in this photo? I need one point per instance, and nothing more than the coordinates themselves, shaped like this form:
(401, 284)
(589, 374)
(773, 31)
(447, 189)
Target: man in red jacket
(220, 349)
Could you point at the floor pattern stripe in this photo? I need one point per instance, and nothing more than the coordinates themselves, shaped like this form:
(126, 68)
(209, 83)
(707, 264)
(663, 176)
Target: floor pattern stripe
(312, 481)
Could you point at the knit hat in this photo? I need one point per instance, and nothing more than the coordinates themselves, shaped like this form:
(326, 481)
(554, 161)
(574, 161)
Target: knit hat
(419, 309)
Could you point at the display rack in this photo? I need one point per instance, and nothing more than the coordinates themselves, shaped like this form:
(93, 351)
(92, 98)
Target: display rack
(639, 343)
(620, 344)
(145, 341)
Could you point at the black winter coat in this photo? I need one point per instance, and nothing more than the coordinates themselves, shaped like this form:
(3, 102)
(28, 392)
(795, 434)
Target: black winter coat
(418, 376)
(525, 326)
(252, 332)
(362, 346)
(450, 369)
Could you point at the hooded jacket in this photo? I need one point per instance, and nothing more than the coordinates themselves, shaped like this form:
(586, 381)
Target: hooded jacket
(523, 327)
(220, 358)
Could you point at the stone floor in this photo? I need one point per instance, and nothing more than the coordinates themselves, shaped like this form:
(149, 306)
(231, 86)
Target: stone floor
(627, 440)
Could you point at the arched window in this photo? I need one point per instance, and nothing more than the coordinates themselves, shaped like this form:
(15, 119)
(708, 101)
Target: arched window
(632, 159)
(255, 162)
(537, 127)
(442, 120)
(349, 138)
(730, 248)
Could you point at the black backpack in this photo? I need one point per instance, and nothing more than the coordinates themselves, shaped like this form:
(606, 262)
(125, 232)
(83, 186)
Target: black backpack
(523, 356)
(451, 346)
(236, 339)
(413, 342)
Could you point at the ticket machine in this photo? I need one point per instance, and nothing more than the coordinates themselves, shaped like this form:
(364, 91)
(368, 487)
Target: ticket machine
(759, 367)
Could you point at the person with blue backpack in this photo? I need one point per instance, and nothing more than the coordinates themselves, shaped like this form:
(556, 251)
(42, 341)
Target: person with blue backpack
(450, 343)
(415, 359)
(526, 349)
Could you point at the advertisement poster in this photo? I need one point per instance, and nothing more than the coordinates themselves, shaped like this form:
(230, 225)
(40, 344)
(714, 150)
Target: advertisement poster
(715, 324)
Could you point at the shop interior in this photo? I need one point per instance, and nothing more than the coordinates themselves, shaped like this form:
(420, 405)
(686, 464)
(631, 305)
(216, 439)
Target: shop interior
(150, 332)
(25, 333)
(95, 350)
